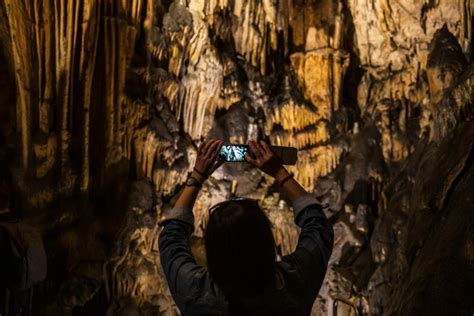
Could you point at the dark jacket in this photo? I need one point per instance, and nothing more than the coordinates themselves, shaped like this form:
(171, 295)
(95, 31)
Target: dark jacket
(299, 275)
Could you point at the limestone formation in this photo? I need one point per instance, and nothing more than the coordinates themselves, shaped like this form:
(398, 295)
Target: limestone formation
(104, 103)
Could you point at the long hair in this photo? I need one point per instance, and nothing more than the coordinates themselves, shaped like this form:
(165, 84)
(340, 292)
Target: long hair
(240, 248)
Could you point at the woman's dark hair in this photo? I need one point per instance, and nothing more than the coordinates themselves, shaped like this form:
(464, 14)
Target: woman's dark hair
(240, 247)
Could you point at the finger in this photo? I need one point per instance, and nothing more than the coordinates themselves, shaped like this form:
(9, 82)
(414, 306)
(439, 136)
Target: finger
(260, 149)
(256, 149)
(250, 159)
(218, 149)
(213, 156)
(208, 146)
(204, 147)
(265, 146)
(213, 149)
(201, 147)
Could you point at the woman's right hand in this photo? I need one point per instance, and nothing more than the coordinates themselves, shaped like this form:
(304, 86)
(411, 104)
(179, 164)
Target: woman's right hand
(265, 159)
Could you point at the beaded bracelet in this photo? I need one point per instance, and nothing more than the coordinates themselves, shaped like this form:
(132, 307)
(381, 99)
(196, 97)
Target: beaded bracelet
(288, 177)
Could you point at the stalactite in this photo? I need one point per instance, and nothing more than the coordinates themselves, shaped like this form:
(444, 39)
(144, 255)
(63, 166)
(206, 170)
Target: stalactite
(55, 77)
(151, 142)
(120, 26)
(256, 27)
(89, 42)
(66, 15)
(110, 50)
(309, 137)
(199, 98)
(316, 162)
(43, 53)
(20, 30)
(320, 87)
(170, 90)
(231, 88)
(165, 180)
(294, 117)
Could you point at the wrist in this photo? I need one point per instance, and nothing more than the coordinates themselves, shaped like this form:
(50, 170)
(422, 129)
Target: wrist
(198, 176)
(281, 174)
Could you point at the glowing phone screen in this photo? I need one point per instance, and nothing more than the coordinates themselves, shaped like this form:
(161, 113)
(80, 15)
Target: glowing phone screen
(232, 153)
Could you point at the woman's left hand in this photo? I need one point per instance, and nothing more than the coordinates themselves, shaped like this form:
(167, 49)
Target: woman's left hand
(206, 161)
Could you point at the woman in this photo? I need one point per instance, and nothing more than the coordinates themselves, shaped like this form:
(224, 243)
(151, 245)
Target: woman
(243, 277)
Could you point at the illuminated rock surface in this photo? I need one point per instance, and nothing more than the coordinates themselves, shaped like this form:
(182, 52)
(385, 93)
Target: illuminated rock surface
(103, 104)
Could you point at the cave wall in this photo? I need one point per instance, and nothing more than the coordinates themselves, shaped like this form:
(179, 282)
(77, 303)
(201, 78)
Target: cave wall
(105, 103)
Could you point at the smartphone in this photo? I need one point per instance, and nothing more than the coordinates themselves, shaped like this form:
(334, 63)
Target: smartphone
(232, 153)
(236, 153)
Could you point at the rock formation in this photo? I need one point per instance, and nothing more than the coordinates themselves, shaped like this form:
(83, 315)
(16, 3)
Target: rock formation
(103, 104)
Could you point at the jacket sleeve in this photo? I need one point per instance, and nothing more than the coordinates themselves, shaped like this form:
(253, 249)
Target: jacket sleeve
(315, 243)
(185, 277)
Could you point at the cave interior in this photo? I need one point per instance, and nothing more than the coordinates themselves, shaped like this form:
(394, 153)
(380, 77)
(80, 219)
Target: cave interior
(103, 104)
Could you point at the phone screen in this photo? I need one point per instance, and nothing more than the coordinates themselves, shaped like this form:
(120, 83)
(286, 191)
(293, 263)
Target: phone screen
(232, 153)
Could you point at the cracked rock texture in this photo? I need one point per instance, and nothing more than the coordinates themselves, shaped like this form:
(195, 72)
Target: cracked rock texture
(103, 104)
